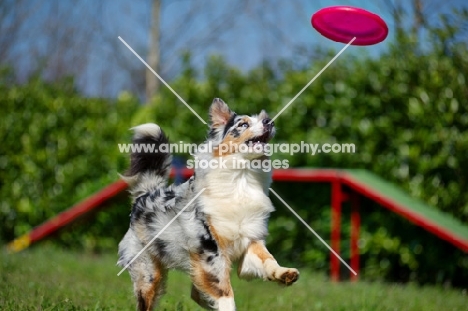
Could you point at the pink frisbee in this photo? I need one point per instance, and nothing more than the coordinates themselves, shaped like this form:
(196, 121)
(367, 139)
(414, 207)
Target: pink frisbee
(343, 23)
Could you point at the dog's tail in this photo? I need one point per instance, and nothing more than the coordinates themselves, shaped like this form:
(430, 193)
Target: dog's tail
(149, 166)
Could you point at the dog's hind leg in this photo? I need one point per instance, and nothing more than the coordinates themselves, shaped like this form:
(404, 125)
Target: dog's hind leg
(257, 262)
(211, 287)
(149, 280)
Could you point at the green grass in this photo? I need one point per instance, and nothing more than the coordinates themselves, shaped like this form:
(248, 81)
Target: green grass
(44, 278)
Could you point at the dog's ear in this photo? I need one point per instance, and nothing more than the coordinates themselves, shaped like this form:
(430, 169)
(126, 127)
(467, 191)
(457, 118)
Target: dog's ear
(219, 113)
(263, 115)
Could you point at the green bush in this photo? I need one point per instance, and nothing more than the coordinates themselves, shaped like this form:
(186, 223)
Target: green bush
(57, 149)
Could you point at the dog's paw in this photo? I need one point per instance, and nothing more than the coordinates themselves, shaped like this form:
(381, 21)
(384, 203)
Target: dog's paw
(286, 276)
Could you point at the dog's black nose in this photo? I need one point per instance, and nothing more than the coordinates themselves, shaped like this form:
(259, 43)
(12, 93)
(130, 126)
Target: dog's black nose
(267, 122)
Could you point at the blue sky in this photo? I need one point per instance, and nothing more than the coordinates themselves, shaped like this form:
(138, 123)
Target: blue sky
(245, 35)
(249, 41)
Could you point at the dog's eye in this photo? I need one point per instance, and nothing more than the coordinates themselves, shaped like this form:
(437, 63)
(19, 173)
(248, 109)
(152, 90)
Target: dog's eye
(245, 124)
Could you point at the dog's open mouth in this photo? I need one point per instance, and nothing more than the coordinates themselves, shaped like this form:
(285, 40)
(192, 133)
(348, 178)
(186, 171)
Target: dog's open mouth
(262, 139)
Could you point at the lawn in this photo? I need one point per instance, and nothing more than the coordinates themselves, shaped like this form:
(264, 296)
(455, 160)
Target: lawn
(45, 278)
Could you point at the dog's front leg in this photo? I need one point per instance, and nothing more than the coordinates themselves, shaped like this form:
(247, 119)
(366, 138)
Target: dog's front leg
(257, 262)
(211, 287)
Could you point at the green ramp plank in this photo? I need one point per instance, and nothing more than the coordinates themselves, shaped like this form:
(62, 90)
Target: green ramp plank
(390, 196)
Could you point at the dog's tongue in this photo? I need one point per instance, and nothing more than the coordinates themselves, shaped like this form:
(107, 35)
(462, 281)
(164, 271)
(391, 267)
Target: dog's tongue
(259, 140)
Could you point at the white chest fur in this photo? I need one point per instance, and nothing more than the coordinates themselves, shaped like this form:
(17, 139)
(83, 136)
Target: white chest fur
(237, 206)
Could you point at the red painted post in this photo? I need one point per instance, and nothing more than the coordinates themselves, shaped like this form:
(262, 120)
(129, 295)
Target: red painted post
(355, 224)
(336, 200)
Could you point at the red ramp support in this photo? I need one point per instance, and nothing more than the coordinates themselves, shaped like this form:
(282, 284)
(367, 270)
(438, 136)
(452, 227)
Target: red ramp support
(336, 200)
(355, 226)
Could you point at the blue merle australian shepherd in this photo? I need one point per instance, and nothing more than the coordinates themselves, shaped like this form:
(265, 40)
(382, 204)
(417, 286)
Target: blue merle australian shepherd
(227, 222)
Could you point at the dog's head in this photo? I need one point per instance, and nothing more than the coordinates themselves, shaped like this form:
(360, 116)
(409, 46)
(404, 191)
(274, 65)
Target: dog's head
(239, 134)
